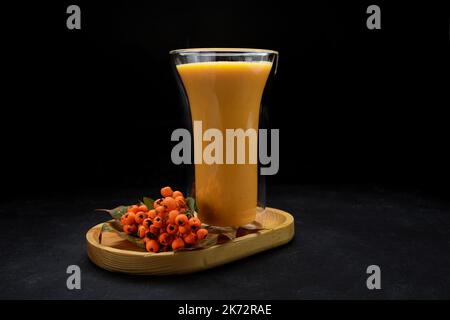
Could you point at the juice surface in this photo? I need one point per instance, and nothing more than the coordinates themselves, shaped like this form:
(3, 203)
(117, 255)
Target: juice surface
(225, 95)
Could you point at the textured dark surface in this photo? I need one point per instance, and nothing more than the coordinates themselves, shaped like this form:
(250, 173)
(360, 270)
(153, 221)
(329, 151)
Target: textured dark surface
(340, 230)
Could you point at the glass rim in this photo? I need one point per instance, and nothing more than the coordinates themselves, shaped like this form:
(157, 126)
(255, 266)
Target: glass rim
(223, 51)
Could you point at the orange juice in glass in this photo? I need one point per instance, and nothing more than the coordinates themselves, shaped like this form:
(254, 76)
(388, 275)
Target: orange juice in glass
(224, 88)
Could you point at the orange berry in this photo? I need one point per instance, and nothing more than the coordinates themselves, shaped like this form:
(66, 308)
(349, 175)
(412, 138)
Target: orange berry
(165, 239)
(129, 218)
(142, 231)
(172, 229)
(160, 210)
(140, 216)
(186, 229)
(181, 220)
(169, 203)
(177, 194)
(143, 207)
(134, 208)
(130, 228)
(157, 203)
(181, 202)
(190, 238)
(166, 192)
(172, 215)
(152, 214)
(147, 223)
(182, 210)
(195, 223)
(152, 246)
(155, 230)
(157, 222)
(163, 214)
(178, 243)
(202, 233)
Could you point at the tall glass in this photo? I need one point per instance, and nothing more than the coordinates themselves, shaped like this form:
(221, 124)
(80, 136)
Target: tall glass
(224, 88)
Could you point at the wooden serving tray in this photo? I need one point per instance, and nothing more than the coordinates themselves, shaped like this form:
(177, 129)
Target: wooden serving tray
(119, 255)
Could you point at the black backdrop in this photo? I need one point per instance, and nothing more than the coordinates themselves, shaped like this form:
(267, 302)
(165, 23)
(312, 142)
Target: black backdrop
(94, 108)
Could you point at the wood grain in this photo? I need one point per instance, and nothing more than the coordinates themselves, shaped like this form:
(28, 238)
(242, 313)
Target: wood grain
(116, 254)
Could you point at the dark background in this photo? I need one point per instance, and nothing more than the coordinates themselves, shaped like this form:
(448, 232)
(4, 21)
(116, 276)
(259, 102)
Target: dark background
(95, 107)
(87, 117)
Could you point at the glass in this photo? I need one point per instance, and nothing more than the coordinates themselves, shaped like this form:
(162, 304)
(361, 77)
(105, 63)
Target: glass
(223, 89)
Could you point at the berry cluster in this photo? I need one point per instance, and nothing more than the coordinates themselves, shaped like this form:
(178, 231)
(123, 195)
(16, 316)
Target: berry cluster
(168, 225)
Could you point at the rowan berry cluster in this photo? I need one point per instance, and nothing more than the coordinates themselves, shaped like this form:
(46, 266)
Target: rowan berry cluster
(169, 225)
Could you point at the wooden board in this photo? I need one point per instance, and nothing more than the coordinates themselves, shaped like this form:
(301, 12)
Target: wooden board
(119, 255)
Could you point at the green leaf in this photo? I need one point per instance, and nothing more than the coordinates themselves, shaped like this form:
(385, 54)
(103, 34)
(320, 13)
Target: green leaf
(148, 202)
(191, 203)
(108, 227)
(116, 213)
